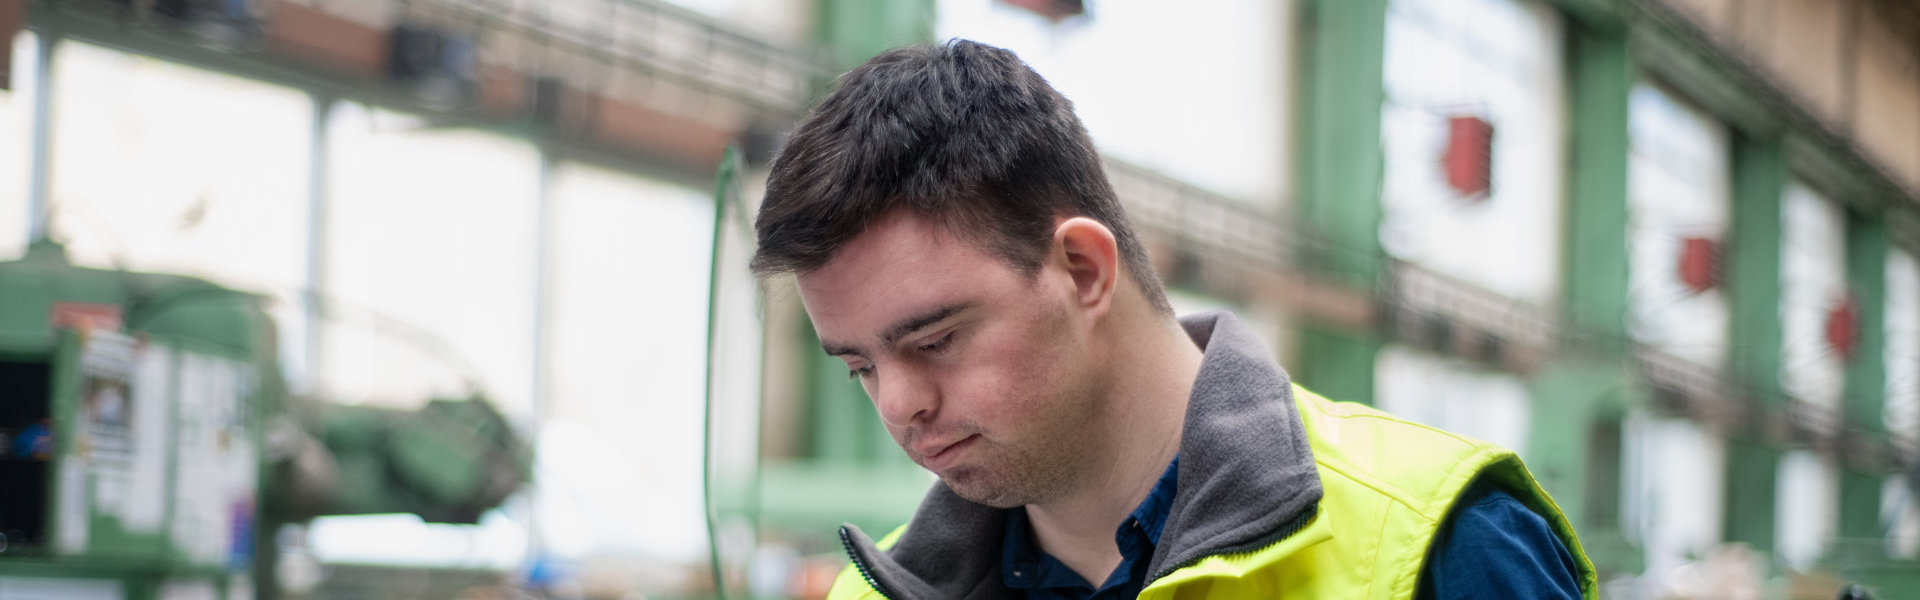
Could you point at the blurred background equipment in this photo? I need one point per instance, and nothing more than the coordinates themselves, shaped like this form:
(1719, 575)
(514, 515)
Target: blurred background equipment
(151, 444)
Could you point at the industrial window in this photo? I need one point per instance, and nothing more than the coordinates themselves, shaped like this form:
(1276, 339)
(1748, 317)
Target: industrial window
(1474, 135)
(429, 262)
(16, 127)
(625, 418)
(1214, 111)
(1813, 292)
(1679, 211)
(168, 168)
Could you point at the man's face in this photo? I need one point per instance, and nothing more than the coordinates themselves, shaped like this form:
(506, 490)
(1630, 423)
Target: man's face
(979, 371)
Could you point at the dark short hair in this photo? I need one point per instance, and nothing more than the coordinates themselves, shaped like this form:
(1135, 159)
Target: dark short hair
(961, 133)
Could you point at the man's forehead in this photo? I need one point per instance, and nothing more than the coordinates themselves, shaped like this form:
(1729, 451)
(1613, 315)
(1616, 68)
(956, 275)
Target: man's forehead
(901, 266)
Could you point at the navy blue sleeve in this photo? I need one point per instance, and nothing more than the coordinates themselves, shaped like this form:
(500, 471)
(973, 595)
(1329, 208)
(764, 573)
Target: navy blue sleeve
(1492, 546)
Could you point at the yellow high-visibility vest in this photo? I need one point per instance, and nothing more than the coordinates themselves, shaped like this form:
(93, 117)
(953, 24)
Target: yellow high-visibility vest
(1388, 486)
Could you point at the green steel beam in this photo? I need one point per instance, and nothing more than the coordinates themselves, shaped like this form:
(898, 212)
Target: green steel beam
(1754, 332)
(814, 497)
(1575, 451)
(1338, 364)
(1865, 390)
(1860, 515)
(854, 30)
(1865, 395)
(1601, 75)
(1753, 467)
(1342, 61)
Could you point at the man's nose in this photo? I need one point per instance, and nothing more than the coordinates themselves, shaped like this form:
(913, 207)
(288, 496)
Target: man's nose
(904, 397)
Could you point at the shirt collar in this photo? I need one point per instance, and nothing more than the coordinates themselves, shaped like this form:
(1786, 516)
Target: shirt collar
(1024, 565)
(1152, 513)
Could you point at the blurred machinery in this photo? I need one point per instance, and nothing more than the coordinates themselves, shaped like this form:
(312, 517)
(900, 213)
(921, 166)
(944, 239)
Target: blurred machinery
(151, 449)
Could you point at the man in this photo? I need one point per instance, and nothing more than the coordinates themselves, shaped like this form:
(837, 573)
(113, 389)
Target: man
(956, 242)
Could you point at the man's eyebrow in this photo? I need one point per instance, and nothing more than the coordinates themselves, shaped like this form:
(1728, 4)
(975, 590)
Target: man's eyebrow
(899, 330)
(919, 321)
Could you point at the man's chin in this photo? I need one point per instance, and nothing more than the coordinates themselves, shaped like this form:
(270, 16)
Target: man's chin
(973, 485)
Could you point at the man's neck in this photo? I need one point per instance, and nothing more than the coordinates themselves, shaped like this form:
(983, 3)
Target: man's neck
(1147, 407)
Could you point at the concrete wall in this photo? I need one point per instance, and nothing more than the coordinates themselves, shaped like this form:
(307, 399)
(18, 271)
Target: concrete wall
(1853, 64)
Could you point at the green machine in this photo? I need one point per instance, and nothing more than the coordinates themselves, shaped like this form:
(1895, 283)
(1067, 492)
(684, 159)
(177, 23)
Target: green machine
(149, 449)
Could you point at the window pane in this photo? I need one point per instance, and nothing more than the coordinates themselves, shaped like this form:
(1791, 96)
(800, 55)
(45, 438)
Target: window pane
(429, 263)
(1678, 189)
(1216, 122)
(1496, 60)
(1813, 272)
(16, 150)
(1902, 412)
(621, 447)
(167, 168)
(1452, 394)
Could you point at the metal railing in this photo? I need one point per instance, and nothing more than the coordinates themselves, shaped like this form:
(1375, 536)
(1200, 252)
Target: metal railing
(649, 38)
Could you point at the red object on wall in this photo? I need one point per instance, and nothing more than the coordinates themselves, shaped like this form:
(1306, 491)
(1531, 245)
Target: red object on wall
(1843, 327)
(1469, 156)
(1699, 264)
(1053, 10)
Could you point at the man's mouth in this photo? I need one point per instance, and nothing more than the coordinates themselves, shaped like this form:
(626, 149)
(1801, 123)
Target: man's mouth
(937, 458)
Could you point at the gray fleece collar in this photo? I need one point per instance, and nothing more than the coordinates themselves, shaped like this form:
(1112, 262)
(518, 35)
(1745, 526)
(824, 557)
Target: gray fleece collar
(1247, 480)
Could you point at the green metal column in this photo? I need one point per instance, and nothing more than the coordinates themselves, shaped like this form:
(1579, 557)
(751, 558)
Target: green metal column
(1753, 466)
(1864, 396)
(1755, 333)
(1866, 375)
(1575, 451)
(854, 30)
(1601, 77)
(1342, 61)
(1577, 430)
(1754, 330)
(1338, 364)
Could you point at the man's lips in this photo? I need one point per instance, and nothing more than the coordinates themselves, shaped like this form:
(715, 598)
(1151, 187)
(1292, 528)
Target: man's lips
(936, 457)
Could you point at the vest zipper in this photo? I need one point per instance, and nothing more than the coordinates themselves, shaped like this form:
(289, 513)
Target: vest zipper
(846, 540)
(1287, 531)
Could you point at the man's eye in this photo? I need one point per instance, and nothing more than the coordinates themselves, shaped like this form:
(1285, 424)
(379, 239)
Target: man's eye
(937, 344)
(858, 372)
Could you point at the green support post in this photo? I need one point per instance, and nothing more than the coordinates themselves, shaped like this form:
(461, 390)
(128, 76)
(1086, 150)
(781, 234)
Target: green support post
(1575, 451)
(1580, 402)
(1755, 334)
(1866, 375)
(1865, 391)
(1342, 60)
(1753, 467)
(1338, 364)
(1343, 56)
(855, 30)
(1601, 78)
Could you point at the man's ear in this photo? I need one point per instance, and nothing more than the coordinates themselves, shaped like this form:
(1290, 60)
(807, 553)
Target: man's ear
(1092, 259)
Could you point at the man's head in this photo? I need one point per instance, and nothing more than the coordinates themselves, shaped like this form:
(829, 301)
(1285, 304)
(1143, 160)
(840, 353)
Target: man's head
(963, 134)
(956, 242)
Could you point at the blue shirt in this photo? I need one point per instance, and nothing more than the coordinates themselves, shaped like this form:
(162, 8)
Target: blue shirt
(1495, 547)
(1492, 546)
(1025, 567)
